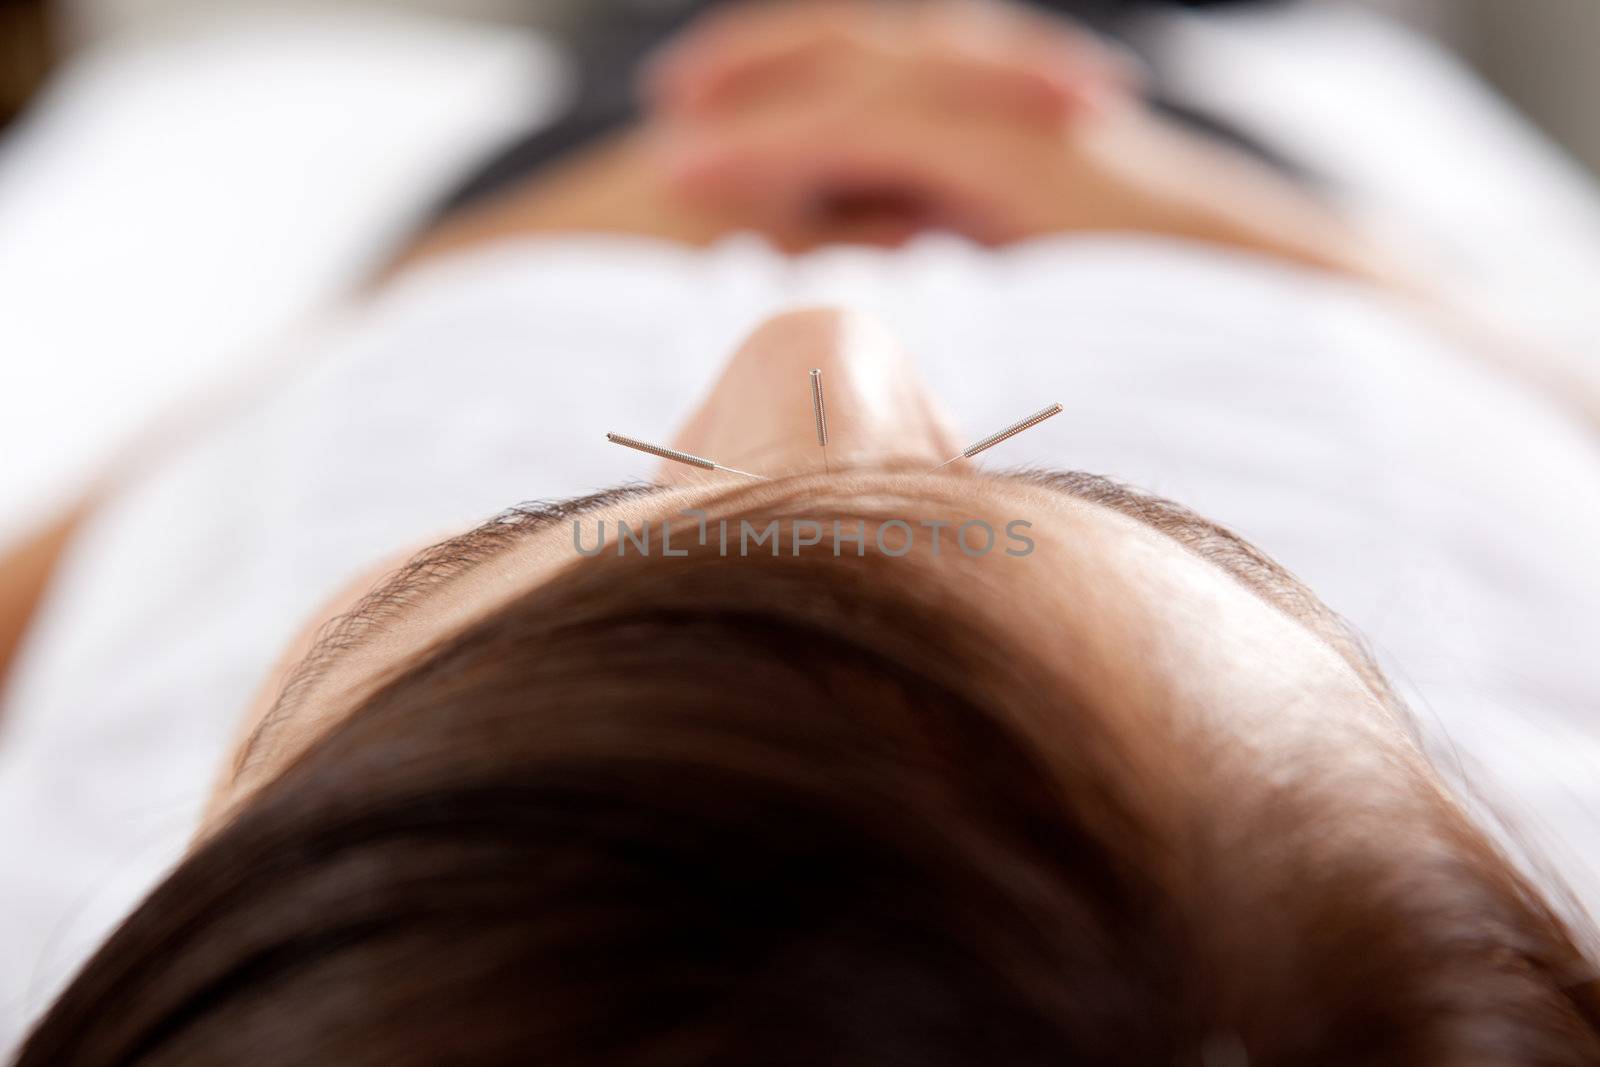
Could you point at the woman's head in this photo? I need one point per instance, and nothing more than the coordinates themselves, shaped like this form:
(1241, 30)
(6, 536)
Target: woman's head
(1135, 592)
(822, 809)
(1116, 790)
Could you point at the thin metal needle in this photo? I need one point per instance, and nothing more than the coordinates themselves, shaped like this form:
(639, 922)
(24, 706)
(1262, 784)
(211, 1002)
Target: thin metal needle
(819, 409)
(676, 456)
(1003, 435)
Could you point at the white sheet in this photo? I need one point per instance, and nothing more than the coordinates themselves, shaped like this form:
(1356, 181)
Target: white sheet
(180, 199)
(1414, 143)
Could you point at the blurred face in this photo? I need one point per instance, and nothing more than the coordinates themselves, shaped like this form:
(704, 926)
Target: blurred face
(1174, 625)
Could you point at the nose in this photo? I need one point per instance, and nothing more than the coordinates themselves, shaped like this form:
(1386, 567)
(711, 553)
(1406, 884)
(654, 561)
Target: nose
(759, 415)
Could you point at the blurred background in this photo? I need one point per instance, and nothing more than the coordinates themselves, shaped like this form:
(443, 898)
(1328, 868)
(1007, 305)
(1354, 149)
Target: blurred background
(184, 182)
(1540, 53)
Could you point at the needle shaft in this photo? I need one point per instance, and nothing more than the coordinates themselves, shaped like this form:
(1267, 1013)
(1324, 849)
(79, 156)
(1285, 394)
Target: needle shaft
(1003, 435)
(676, 455)
(819, 410)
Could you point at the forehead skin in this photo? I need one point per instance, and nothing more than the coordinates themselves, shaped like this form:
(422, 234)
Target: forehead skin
(1137, 618)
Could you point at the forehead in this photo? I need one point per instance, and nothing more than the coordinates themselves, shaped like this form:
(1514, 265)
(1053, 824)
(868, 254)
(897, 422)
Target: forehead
(1109, 591)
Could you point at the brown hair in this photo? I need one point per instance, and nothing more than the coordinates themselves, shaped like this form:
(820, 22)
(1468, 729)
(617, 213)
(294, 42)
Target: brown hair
(795, 810)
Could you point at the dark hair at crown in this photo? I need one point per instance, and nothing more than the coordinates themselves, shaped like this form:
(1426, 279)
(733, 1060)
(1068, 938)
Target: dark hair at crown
(797, 811)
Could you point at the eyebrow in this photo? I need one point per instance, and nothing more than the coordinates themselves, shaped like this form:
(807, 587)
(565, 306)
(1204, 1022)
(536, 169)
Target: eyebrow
(1264, 576)
(420, 576)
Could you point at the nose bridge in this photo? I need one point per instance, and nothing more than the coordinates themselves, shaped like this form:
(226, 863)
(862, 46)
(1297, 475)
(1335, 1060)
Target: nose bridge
(854, 352)
(760, 415)
(796, 338)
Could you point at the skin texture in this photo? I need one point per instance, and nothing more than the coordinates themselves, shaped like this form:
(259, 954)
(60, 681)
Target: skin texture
(1144, 622)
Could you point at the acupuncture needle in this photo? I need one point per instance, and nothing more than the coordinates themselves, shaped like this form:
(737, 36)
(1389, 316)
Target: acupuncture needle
(820, 411)
(1003, 435)
(676, 456)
